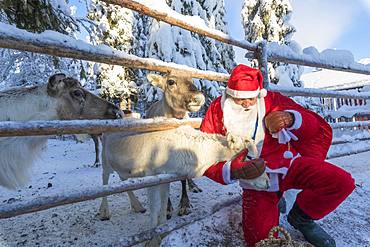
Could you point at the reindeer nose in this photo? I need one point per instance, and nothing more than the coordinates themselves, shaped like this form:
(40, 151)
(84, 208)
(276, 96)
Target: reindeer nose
(119, 114)
(198, 99)
(114, 112)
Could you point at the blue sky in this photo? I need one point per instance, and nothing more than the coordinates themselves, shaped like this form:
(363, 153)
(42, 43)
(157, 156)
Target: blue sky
(339, 24)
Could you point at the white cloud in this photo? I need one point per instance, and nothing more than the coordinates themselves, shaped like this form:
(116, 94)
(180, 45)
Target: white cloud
(320, 23)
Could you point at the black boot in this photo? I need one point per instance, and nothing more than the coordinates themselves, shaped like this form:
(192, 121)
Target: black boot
(312, 232)
(282, 205)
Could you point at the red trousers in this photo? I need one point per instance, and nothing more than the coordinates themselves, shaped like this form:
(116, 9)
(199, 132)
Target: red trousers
(324, 186)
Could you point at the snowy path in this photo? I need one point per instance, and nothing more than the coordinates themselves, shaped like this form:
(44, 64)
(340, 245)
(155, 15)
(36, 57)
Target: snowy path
(64, 166)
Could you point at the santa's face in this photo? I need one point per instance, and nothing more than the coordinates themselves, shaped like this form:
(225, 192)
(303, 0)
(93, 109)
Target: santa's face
(246, 103)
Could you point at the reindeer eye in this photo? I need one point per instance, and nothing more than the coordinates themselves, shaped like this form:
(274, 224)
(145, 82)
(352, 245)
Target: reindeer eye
(78, 93)
(171, 82)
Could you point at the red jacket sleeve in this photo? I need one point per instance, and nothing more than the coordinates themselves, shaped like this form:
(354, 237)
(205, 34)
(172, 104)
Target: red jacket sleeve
(212, 124)
(314, 134)
(215, 172)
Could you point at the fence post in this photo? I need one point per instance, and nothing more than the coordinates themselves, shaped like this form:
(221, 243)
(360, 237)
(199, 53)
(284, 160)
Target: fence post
(263, 62)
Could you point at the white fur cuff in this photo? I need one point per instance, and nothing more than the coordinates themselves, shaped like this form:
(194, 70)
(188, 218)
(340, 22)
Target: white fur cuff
(297, 120)
(226, 173)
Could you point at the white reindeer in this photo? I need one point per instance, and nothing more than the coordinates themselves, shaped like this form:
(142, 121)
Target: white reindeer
(180, 151)
(180, 97)
(61, 98)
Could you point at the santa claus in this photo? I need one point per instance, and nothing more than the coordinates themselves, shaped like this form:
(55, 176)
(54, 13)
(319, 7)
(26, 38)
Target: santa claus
(292, 144)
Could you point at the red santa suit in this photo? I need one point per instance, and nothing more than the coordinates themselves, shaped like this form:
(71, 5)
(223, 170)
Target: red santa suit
(295, 156)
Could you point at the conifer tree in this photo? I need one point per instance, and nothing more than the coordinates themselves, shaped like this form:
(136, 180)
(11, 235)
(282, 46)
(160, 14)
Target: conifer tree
(114, 28)
(269, 20)
(174, 44)
(19, 68)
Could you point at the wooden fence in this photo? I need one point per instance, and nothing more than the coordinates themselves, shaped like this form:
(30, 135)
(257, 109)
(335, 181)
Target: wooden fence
(65, 46)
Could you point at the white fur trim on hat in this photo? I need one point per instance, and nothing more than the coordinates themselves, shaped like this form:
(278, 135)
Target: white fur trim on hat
(242, 94)
(263, 93)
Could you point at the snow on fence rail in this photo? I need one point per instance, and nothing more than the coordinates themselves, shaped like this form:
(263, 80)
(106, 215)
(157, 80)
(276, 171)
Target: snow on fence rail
(274, 52)
(177, 223)
(350, 124)
(56, 44)
(46, 202)
(61, 127)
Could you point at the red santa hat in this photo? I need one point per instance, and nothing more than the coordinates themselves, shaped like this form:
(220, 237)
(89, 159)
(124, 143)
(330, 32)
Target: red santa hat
(245, 82)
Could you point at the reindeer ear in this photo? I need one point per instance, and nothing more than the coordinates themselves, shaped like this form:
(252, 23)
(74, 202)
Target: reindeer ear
(156, 80)
(55, 83)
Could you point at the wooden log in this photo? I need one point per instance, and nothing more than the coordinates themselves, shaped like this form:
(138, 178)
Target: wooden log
(177, 223)
(344, 141)
(343, 153)
(317, 63)
(272, 55)
(66, 46)
(181, 21)
(313, 92)
(42, 203)
(58, 127)
(356, 124)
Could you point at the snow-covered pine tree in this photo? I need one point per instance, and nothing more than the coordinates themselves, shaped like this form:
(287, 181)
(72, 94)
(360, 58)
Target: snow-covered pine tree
(174, 44)
(269, 20)
(115, 29)
(141, 30)
(26, 68)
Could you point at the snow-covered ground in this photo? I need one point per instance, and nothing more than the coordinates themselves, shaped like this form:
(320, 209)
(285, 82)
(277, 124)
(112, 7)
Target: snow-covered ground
(64, 166)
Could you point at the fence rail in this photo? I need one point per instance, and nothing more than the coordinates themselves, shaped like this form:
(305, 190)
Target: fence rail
(59, 127)
(273, 54)
(42, 203)
(65, 46)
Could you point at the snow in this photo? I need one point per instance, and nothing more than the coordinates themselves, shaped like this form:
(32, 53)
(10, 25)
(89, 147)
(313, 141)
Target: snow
(329, 79)
(328, 58)
(64, 166)
(349, 111)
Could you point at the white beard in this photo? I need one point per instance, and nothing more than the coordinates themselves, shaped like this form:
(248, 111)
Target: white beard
(238, 121)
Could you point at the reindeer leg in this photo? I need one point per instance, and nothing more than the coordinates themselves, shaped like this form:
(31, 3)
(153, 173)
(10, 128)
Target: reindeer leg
(97, 162)
(184, 206)
(158, 199)
(104, 213)
(169, 208)
(193, 187)
(135, 203)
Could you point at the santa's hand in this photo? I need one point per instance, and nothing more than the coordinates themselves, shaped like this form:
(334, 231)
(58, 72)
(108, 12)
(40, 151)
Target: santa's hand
(278, 120)
(251, 169)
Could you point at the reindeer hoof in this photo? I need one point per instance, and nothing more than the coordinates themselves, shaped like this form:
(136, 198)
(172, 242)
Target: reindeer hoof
(155, 242)
(195, 189)
(140, 210)
(169, 211)
(185, 210)
(104, 214)
(96, 165)
(104, 217)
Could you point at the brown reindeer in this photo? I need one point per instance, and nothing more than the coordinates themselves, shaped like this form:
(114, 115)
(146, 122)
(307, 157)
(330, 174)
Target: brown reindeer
(61, 98)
